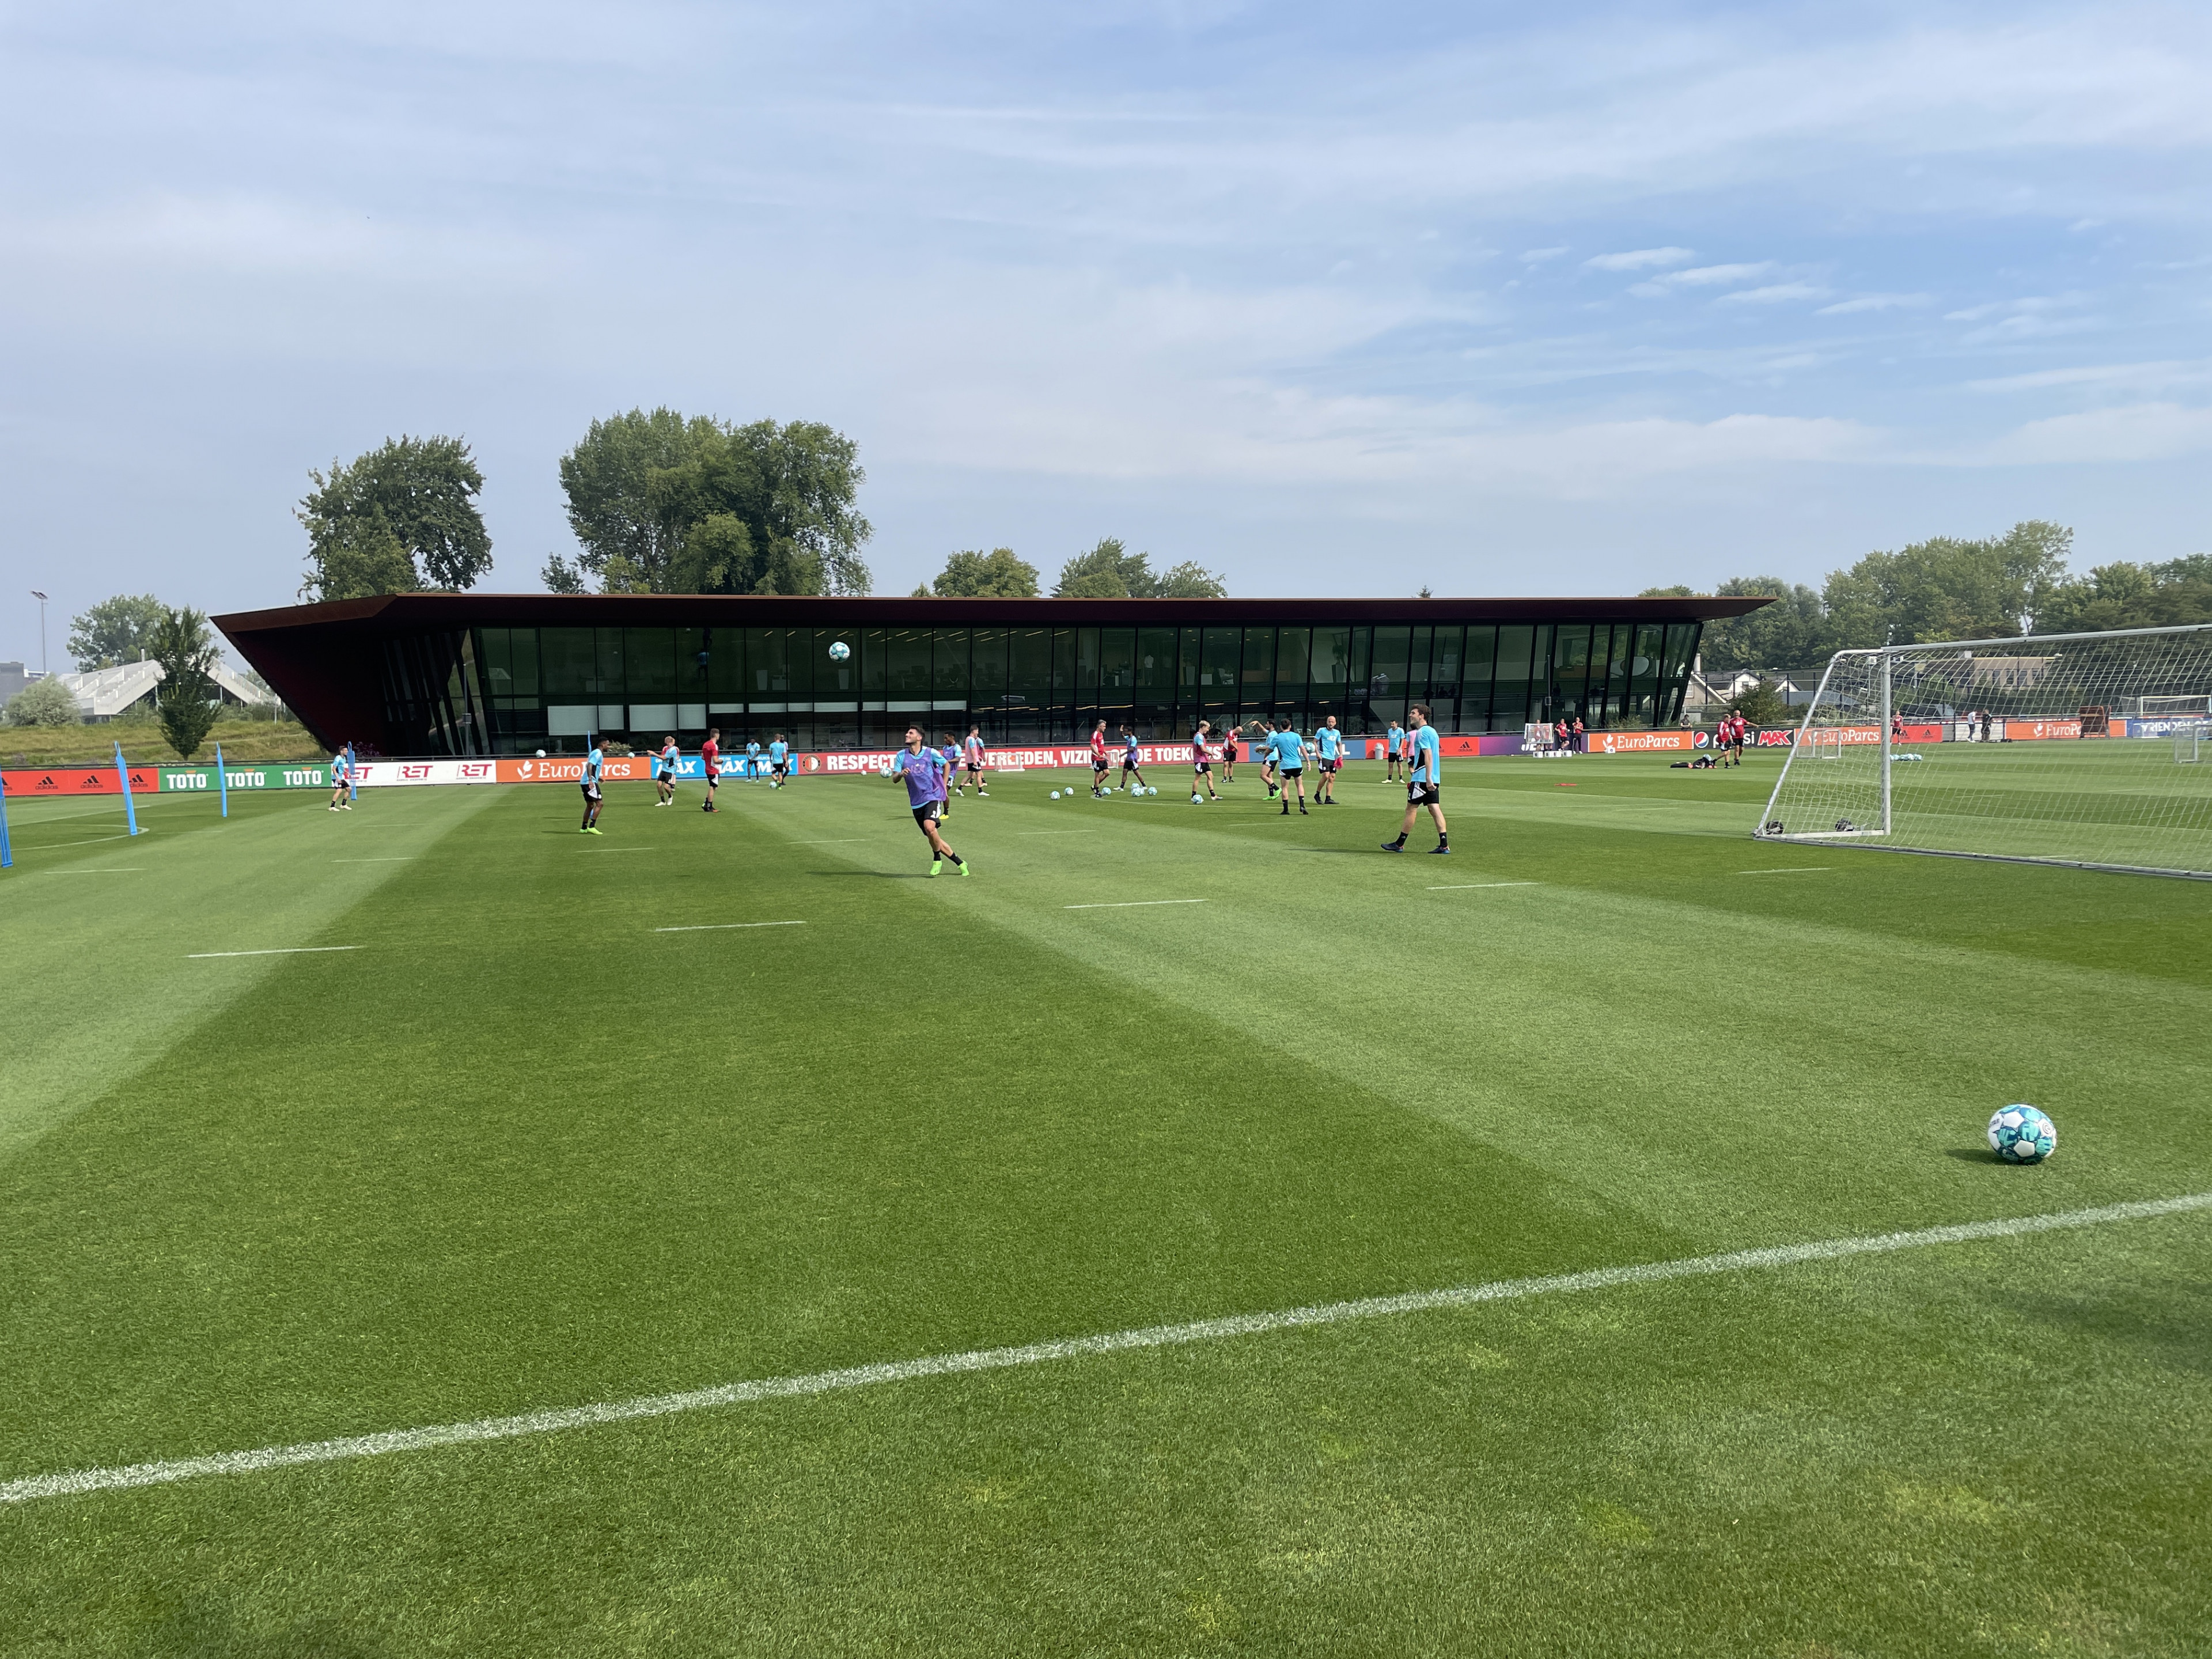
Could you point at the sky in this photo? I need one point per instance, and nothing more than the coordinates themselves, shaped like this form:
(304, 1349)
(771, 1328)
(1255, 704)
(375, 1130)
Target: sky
(1575, 299)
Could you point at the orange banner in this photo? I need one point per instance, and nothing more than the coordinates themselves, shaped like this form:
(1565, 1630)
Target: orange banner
(1639, 743)
(569, 769)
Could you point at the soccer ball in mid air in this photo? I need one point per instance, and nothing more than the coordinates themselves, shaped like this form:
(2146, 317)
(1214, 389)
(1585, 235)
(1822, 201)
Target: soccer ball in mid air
(2022, 1134)
(840, 651)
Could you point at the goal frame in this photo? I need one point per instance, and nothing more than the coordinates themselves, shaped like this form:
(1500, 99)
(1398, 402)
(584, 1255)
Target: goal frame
(1872, 837)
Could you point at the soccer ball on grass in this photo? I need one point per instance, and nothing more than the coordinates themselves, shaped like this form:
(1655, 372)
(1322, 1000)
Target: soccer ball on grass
(2022, 1134)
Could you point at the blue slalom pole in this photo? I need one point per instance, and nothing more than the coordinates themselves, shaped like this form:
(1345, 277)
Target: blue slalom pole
(123, 775)
(7, 857)
(222, 780)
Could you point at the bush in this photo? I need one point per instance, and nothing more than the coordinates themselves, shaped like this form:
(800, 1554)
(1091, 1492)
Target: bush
(43, 703)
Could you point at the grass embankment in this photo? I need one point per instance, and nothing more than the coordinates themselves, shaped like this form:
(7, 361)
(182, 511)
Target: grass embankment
(143, 744)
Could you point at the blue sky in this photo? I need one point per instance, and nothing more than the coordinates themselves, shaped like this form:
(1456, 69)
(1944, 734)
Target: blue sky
(1577, 298)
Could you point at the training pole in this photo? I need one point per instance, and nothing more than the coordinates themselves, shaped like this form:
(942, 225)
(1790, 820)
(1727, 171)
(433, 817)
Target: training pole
(222, 780)
(123, 777)
(7, 857)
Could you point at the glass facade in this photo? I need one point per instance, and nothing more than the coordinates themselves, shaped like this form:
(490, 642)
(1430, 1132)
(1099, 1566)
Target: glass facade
(514, 690)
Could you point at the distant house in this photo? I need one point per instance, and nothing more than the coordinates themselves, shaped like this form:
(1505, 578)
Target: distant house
(2010, 673)
(101, 693)
(13, 679)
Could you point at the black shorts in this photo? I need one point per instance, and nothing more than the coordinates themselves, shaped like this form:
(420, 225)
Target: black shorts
(927, 813)
(1128, 766)
(1098, 765)
(591, 791)
(1294, 771)
(1422, 794)
(1330, 766)
(781, 769)
(713, 778)
(1201, 767)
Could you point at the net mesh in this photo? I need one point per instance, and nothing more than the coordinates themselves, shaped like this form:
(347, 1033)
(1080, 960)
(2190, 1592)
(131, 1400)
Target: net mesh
(2041, 748)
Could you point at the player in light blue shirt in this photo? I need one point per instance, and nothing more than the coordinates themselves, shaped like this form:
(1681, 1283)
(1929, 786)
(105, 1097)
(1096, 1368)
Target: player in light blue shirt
(779, 760)
(341, 766)
(594, 763)
(1330, 742)
(752, 760)
(1424, 782)
(1289, 750)
(1393, 743)
(1130, 749)
(665, 764)
(925, 773)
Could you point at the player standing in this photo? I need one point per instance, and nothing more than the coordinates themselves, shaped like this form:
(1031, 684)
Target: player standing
(1229, 753)
(338, 771)
(752, 760)
(667, 761)
(1288, 751)
(1424, 783)
(1129, 768)
(975, 754)
(1098, 762)
(1330, 744)
(779, 760)
(1394, 747)
(1575, 735)
(594, 763)
(1201, 763)
(710, 767)
(926, 774)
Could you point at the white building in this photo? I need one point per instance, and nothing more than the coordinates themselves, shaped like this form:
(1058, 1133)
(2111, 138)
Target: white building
(101, 693)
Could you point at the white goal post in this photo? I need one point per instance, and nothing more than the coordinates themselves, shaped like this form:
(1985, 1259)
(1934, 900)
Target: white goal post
(2073, 749)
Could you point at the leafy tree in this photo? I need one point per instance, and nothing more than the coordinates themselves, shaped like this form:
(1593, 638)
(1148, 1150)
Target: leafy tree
(186, 701)
(2126, 595)
(1790, 633)
(997, 575)
(1110, 571)
(115, 631)
(1677, 592)
(1945, 588)
(415, 495)
(43, 703)
(665, 505)
(1760, 703)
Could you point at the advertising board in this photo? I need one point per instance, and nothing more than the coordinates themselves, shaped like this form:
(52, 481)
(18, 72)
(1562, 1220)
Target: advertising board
(96, 780)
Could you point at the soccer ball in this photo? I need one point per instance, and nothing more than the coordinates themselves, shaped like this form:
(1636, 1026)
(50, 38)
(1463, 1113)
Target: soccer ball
(541, 754)
(840, 651)
(1056, 794)
(2022, 1134)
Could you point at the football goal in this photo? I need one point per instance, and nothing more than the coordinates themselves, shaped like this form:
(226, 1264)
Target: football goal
(2075, 749)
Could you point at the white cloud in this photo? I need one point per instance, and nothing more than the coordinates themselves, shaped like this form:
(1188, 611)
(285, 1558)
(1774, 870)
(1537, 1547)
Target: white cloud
(1774, 295)
(1709, 276)
(2136, 432)
(1873, 302)
(1643, 258)
(1538, 255)
(2141, 377)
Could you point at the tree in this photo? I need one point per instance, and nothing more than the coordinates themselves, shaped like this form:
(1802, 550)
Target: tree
(661, 504)
(1110, 571)
(43, 703)
(997, 575)
(1790, 633)
(2127, 595)
(114, 631)
(1945, 588)
(186, 703)
(415, 495)
(1760, 703)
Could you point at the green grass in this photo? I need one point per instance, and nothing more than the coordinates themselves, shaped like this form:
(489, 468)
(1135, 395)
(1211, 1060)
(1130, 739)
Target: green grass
(242, 741)
(522, 1151)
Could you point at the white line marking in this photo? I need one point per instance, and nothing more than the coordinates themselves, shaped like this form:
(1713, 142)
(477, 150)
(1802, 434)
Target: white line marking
(1074, 1348)
(1787, 869)
(406, 858)
(1130, 904)
(56, 847)
(719, 927)
(1462, 886)
(285, 951)
(99, 870)
(833, 841)
(1060, 832)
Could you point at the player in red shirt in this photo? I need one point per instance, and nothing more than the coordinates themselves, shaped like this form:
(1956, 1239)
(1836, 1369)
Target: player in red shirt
(710, 766)
(1098, 763)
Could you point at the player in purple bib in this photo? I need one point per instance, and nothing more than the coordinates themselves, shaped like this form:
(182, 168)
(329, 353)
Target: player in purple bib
(926, 774)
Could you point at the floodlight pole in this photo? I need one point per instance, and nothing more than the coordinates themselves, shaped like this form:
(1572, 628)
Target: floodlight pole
(1888, 743)
(41, 599)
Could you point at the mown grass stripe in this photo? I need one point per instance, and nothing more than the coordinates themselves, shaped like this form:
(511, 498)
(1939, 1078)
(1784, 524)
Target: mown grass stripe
(80, 1481)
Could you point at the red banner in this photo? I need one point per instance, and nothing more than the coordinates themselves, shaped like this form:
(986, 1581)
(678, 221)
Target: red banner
(79, 781)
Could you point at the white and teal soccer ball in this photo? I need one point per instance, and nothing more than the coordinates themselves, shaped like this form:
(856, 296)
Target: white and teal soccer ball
(1056, 794)
(840, 651)
(2022, 1134)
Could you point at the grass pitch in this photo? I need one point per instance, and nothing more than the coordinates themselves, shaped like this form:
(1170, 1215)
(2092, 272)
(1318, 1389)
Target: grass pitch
(520, 1149)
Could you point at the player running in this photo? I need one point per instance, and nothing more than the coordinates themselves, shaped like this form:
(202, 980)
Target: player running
(1129, 766)
(1330, 742)
(663, 771)
(1201, 763)
(779, 760)
(926, 774)
(1394, 746)
(594, 764)
(1098, 762)
(973, 750)
(341, 768)
(710, 767)
(1423, 783)
(1287, 751)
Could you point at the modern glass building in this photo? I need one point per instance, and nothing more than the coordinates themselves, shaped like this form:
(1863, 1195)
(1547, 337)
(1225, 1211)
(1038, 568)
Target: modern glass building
(470, 674)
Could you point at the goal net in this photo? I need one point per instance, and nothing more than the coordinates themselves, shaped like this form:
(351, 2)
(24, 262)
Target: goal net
(2075, 749)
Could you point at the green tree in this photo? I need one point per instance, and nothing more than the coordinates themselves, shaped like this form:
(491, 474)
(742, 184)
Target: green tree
(186, 701)
(2127, 595)
(997, 575)
(1760, 703)
(1110, 571)
(115, 631)
(1947, 588)
(661, 504)
(1787, 634)
(43, 703)
(416, 495)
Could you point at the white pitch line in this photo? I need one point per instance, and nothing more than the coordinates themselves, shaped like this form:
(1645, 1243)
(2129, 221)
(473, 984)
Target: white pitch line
(408, 858)
(1130, 904)
(722, 927)
(1075, 1348)
(1463, 886)
(285, 951)
(1787, 869)
(99, 870)
(1060, 832)
(833, 841)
